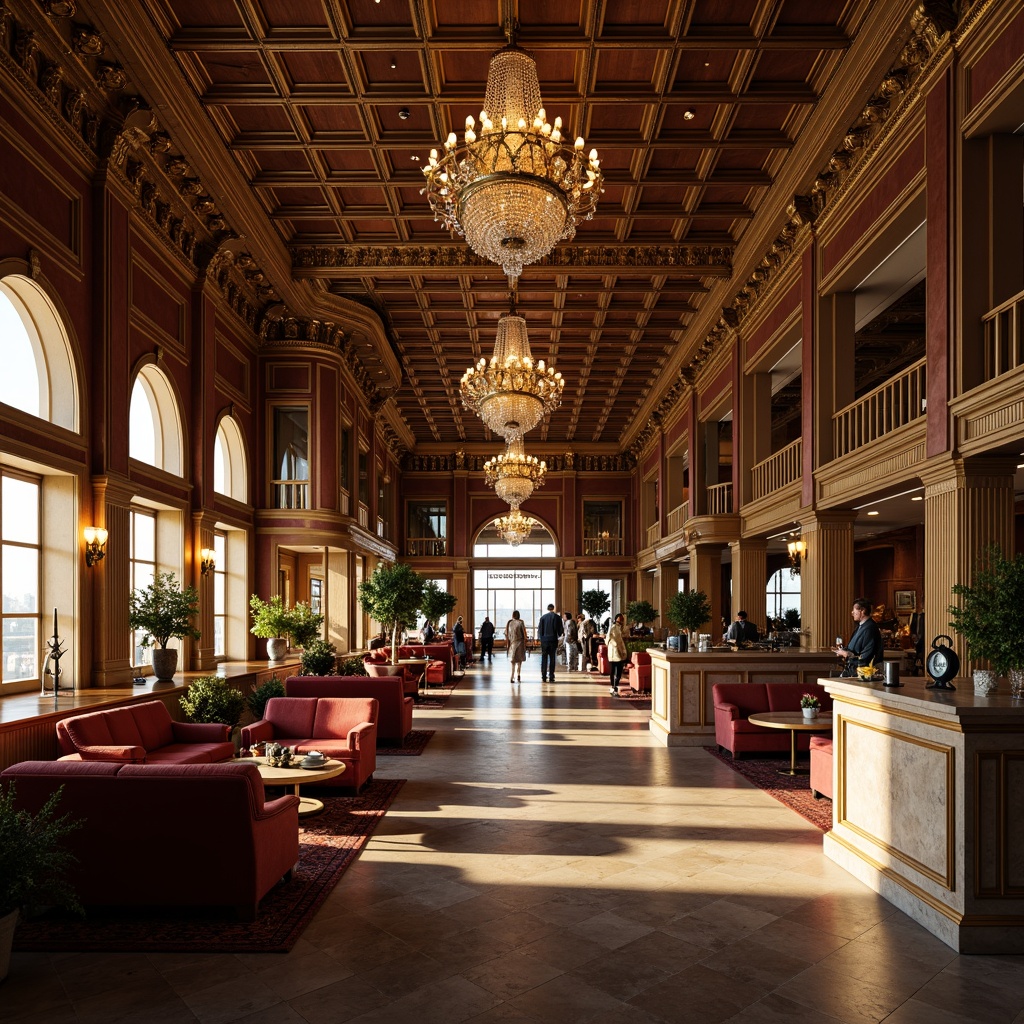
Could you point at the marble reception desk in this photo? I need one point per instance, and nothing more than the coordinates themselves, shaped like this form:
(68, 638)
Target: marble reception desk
(682, 707)
(929, 806)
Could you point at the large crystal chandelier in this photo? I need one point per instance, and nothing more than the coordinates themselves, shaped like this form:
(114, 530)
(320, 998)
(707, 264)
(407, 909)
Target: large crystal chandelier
(509, 393)
(515, 527)
(514, 475)
(516, 189)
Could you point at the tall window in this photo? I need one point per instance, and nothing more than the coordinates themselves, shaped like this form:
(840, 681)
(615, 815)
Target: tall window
(602, 528)
(499, 592)
(20, 571)
(229, 469)
(489, 544)
(220, 590)
(142, 567)
(427, 530)
(20, 382)
(154, 422)
(290, 472)
(783, 592)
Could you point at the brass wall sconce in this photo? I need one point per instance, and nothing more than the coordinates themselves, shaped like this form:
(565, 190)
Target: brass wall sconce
(207, 561)
(797, 553)
(95, 544)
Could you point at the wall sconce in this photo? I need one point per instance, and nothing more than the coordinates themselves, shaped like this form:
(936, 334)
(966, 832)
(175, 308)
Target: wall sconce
(95, 543)
(207, 561)
(797, 553)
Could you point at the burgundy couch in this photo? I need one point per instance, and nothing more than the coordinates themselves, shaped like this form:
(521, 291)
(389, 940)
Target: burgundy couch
(442, 653)
(188, 835)
(734, 702)
(821, 766)
(142, 734)
(394, 714)
(344, 728)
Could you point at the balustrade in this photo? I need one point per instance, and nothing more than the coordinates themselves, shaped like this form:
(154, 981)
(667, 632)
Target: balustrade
(720, 499)
(897, 402)
(784, 467)
(677, 517)
(363, 516)
(416, 546)
(653, 533)
(1004, 337)
(602, 546)
(291, 493)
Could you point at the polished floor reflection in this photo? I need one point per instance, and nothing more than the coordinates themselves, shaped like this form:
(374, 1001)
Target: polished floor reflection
(547, 862)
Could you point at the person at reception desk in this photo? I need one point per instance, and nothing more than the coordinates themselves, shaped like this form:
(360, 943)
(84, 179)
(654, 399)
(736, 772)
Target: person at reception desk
(865, 646)
(742, 629)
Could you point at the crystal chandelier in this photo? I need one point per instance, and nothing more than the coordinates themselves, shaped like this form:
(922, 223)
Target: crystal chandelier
(515, 527)
(514, 475)
(509, 393)
(516, 189)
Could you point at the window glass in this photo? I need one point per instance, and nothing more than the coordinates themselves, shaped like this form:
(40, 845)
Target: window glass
(142, 425)
(220, 484)
(220, 578)
(19, 383)
(20, 578)
(783, 592)
(291, 444)
(142, 558)
(20, 510)
(489, 544)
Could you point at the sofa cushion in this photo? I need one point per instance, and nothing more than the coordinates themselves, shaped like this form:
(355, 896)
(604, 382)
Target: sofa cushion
(786, 696)
(749, 698)
(89, 730)
(123, 729)
(191, 753)
(113, 752)
(154, 723)
(335, 716)
(291, 716)
(66, 769)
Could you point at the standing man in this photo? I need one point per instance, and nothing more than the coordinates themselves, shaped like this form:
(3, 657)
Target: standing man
(428, 634)
(549, 629)
(742, 630)
(865, 646)
(572, 645)
(487, 640)
(589, 646)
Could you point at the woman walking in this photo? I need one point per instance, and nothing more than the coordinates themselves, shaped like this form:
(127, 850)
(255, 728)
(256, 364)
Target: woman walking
(616, 652)
(515, 641)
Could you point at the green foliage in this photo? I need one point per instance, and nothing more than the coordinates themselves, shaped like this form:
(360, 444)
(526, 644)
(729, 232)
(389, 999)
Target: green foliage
(352, 667)
(33, 861)
(988, 613)
(304, 625)
(213, 699)
(436, 604)
(595, 603)
(632, 646)
(791, 617)
(810, 700)
(392, 596)
(689, 610)
(257, 700)
(641, 611)
(269, 618)
(163, 610)
(319, 658)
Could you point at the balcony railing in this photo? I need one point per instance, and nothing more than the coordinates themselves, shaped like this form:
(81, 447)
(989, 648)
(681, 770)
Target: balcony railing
(425, 546)
(363, 516)
(653, 533)
(602, 546)
(720, 499)
(1004, 337)
(291, 493)
(677, 517)
(897, 402)
(345, 504)
(777, 470)
(381, 531)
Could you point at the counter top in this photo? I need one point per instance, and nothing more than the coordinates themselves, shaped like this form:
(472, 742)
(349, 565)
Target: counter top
(914, 695)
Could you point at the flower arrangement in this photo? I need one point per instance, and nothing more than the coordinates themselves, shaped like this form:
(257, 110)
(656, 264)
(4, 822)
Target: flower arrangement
(809, 700)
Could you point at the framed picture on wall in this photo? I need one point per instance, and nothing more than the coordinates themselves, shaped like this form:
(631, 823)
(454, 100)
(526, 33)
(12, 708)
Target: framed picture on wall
(905, 600)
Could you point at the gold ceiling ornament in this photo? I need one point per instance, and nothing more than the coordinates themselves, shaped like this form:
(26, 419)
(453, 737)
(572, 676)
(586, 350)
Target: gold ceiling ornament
(510, 393)
(515, 527)
(515, 189)
(514, 475)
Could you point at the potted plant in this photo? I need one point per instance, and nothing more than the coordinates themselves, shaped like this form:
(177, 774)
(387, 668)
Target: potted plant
(271, 622)
(641, 612)
(987, 616)
(436, 604)
(320, 658)
(810, 705)
(304, 624)
(352, 667)
(596, 603)
(689, 610)
(213, 699)
(392, 596)
(257, 700)
(33, 864)
(162, 611)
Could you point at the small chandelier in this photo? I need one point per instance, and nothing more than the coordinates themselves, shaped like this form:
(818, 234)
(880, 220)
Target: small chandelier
(509, 393)
(516, 189)
(514, 475)
(515, 527)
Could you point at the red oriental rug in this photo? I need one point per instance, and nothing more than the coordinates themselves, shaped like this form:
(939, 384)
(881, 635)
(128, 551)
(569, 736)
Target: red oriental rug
(414, 745)
(792, 790)
(328, 844)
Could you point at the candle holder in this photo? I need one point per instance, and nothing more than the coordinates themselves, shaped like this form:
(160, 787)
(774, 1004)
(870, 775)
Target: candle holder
(52, 672)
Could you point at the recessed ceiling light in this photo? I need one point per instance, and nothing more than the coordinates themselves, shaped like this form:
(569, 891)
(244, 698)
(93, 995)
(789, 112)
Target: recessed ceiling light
(414, 157)
(404, 113)
(394, 63)
(917, 497)
(874, 512)
(689, 115)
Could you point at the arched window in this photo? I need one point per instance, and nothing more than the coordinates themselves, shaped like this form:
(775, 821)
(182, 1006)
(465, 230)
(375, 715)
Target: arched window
(783, 593)
(39, 375)
(154, 422)
(229, 465)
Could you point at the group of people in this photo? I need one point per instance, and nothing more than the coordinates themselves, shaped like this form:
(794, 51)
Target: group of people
(577, 635)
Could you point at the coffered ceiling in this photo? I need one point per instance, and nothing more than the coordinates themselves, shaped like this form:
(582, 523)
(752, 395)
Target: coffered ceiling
(700, 110)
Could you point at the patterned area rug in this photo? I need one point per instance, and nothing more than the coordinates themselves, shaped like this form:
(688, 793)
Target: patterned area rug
(792, 790)
(415, 743)
(437, 696)
(328, 844)
(635, 701)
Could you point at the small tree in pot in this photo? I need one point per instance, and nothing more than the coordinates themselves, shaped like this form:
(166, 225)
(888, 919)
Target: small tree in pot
(271, 622)
(320, 658)
(595, 603)
(641, 612)
(436, 604)
(162, 611)
(392, 596)
(257, 700)
(304, 625)
(689, 610)
(213, 699)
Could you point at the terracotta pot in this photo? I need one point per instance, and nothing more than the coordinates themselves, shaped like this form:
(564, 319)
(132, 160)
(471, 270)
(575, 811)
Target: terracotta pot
(165, 663)
(7, 926)
(277, 648)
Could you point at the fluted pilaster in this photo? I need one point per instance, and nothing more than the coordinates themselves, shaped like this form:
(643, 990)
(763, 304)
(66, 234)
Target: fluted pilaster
(706, 575)
(826, 576)
(111, 584)
(749, 580)
(665, 587)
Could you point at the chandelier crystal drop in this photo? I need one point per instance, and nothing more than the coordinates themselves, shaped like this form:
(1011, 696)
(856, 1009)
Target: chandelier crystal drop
(510, 393)
(515, 189)
(515, 527)
(514, 475)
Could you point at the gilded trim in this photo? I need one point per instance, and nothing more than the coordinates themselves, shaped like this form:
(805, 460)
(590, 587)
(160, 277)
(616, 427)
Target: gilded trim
(954, 725)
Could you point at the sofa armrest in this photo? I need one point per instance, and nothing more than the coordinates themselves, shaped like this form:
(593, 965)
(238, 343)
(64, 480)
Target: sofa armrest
(200, 732)
(258, 732)
(275, 808)
(120, 752)
(727, 709)
(362, 735)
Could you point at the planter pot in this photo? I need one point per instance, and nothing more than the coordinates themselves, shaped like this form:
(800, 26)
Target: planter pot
(1017, 683)
(985, 681)
(7, 925)
(277, 648)
(165, 662)
(810, 712)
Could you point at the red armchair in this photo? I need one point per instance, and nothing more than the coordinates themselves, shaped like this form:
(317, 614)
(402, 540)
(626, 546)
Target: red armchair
(394, 714)
(735, 702)
(344, 728)
(821, 766)
(640, 675)
(441, 665)
(378, 666)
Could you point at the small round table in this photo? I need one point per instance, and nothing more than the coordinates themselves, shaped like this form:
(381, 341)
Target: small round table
(295, 777)
(795, 722)
(421, 683)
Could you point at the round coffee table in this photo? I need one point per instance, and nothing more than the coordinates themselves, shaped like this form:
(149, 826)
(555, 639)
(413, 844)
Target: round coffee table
(295, 777)
(795, 722)
(421, 683)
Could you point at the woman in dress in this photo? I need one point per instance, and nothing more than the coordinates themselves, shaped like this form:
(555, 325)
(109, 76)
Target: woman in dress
(616, 652)
(515, 640)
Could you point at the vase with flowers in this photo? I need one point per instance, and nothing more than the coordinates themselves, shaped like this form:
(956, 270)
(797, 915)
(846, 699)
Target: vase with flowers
(810, 705)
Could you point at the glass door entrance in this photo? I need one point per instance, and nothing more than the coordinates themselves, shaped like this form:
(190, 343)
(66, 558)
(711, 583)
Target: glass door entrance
(499, 592)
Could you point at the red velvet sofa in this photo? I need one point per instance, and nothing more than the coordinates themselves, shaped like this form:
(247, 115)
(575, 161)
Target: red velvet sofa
(188, 835)
(734, 702)
(821, 766)
(394, 713)
(443, 653)
(142, 734)
(344, 728)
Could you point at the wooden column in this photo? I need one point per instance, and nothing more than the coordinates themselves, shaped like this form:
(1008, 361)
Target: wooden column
(826, 577)
(706, 575)
(750, 580)
(752, 431)
(665, 587)
(111, 584)
(339, 599)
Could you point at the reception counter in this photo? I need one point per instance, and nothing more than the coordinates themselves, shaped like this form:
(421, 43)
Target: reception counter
(929, 806)
(682, 709)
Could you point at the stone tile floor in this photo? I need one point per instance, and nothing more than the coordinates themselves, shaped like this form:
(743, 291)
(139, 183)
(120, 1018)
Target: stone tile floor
(546, 861)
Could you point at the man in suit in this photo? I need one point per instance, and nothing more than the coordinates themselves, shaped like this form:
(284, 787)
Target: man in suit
(742, 630)
(549, 629)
